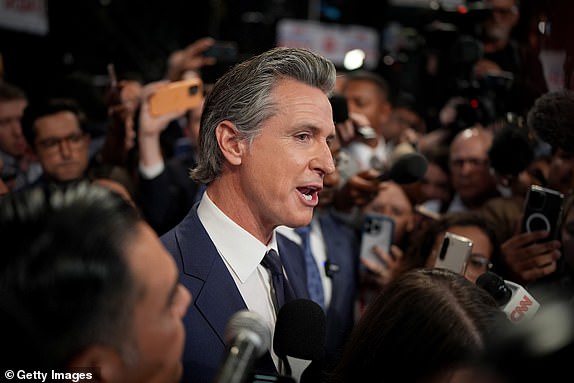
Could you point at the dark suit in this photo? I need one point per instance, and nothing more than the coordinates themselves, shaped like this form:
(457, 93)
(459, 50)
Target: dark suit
(167, 198)
(342, 254)
(342, 250)
(215, 296)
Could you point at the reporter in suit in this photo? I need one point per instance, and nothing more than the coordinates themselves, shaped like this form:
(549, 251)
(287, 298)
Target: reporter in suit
(264, 151)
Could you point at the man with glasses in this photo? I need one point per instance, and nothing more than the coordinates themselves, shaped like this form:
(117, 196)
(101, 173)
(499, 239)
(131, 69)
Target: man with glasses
(472, 180)
(55, 131)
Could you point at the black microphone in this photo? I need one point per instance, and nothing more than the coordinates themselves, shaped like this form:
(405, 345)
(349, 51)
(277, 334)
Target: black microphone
(513, 299)
(300, 332)
(408, 168)
(515, 140)
(248, 338)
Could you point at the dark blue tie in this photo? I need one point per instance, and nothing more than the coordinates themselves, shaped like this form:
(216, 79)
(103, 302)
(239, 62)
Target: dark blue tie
(314, 281)
(283, 290)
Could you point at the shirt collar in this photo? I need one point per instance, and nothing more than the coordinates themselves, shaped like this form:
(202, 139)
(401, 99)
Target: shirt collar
(240, 250)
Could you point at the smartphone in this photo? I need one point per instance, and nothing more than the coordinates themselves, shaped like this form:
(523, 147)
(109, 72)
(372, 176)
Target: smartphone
(223, 51)
(176, 96)
(542, 211)
(426, 212)
(378, 229)
(454, 252)
(341, 114)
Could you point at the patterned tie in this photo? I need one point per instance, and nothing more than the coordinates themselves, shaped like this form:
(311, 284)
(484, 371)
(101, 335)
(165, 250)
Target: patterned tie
(314, 282)
(281, 286)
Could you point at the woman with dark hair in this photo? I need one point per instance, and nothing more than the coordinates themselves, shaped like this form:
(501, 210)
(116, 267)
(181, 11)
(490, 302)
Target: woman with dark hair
(433, 318)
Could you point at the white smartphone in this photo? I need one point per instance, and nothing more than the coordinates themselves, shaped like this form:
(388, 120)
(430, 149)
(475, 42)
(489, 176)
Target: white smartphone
(454, 252)
(378, 229)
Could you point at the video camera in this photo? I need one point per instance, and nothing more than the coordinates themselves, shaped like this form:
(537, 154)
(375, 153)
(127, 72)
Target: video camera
(482, 97)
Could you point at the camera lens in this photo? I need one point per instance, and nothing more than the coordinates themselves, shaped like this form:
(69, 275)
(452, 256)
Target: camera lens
(193, 90)
(443, 248)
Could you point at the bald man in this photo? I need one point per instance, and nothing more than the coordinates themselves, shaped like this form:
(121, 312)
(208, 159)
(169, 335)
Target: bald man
(470, 169)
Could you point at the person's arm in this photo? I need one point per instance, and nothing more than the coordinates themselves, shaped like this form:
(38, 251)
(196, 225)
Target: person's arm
(151, 161)
(526, 260)
(190, 58)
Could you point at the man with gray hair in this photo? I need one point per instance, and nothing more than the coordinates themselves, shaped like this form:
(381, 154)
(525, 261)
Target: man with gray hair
(264, 151)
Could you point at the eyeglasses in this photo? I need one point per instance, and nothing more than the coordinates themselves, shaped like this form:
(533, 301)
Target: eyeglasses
(474, 162)
(52, 144)
(478, 263)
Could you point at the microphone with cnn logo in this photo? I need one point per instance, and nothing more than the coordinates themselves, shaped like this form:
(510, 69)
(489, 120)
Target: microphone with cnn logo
(513, 299)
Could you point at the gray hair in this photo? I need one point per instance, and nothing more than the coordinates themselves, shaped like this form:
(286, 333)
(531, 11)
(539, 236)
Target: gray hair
(243, 97)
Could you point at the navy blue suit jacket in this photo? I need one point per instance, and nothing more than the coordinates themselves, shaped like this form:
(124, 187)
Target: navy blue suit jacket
(215, 296)
(343, 260)
(343, 254)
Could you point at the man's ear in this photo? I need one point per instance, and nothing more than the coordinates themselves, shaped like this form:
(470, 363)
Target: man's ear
(104, 361)
(230, 142)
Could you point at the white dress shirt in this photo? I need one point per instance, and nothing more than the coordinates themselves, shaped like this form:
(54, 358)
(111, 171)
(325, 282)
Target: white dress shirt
(242, 253)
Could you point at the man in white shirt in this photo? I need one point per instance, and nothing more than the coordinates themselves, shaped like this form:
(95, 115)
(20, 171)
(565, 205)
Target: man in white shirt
(264, 141)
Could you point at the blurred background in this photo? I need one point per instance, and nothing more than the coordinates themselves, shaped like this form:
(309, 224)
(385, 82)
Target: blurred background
(48, 44)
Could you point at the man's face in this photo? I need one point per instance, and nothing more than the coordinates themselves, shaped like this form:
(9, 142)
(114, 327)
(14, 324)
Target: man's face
(503, 17)
(470, 171)
(12, 141)
(157, 324)
(282, 170)
(364, 97)
(61, 146)
(331, 182)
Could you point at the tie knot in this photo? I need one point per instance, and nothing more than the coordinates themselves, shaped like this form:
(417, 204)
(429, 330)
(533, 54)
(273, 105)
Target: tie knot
(272, 262)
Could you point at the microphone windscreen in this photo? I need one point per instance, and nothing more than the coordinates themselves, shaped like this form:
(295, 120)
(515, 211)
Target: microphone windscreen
(252, 325)
(300, 330)
(495, 286)
(515, 140)
(340, 108)
(408, 168)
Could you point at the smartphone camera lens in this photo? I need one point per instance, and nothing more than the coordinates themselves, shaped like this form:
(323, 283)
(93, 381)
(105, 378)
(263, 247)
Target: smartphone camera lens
(443, 248)
(193, 90)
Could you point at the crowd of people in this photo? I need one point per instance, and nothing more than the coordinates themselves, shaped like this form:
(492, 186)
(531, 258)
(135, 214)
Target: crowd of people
(127, 252)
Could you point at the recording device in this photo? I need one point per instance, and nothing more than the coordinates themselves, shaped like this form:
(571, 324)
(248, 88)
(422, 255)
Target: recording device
(248, 338)
(454, 252)
(408, 168)
(513, 299)
(542, 211)
(176, 96)
(300, 333)
(300, 330)
(341, 114)
(511, 139)
(378, 230)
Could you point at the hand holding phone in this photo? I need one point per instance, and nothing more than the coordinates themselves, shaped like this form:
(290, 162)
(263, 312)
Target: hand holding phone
(378, 230)
(542, 211)
(176, 96)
